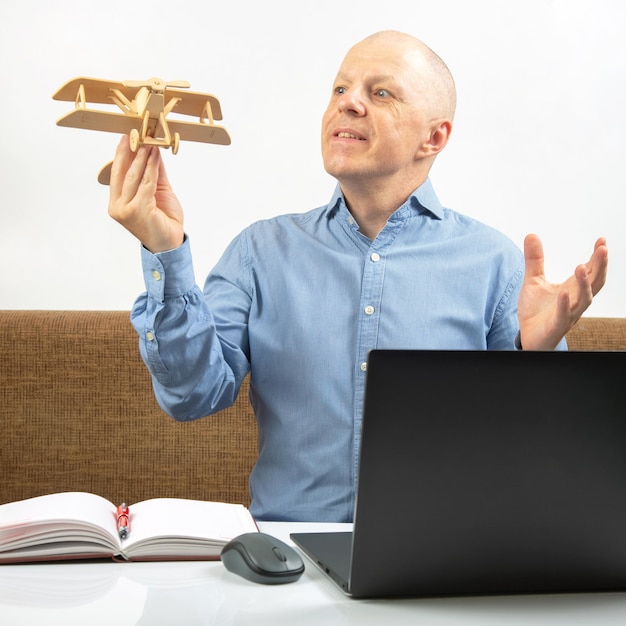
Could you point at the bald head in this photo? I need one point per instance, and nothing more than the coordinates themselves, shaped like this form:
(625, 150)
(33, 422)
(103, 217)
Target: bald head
(389, 116)
(431, 74)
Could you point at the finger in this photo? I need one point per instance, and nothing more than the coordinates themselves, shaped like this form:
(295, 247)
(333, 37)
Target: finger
(121, 163)
(597, 267)
(139, 174)
(585, 294)
(163, 180)
(564, 309)
(601, 241)
(533, 256)
(150, 177)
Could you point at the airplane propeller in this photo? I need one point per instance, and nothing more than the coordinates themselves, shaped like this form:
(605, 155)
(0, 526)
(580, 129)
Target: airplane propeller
(157, 84)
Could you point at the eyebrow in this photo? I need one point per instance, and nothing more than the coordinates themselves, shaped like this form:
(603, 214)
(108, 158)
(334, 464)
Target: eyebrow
(378, 78)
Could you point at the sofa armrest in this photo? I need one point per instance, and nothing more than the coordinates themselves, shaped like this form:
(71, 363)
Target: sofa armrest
(598, 333)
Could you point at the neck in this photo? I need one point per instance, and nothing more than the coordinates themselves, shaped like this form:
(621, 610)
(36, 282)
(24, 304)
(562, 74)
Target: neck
(372, 205)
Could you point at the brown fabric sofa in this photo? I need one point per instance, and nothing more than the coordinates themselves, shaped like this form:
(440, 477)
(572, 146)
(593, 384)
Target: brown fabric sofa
(78, 413)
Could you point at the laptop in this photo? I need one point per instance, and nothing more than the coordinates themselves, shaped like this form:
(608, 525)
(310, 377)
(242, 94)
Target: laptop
(486, 473)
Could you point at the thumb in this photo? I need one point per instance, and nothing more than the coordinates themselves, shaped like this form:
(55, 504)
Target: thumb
(533, 256)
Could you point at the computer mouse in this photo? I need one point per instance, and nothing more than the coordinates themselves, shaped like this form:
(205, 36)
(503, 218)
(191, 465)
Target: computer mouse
(261, 558)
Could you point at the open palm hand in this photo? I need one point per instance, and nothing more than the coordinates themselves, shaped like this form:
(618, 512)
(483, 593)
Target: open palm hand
(546, 311)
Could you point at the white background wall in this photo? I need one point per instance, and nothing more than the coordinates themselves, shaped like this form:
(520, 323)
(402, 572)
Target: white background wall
(539, 141)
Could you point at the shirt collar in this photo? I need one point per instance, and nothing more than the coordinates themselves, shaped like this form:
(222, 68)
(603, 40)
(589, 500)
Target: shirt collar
(423, 200)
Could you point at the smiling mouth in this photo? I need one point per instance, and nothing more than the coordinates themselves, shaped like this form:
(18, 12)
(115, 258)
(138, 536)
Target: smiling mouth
(343, 135)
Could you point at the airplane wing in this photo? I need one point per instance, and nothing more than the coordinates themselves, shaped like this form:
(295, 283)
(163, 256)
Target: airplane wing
(203, 133)
(193, 103)
(99, 91)
(96, 90)
(100, 120)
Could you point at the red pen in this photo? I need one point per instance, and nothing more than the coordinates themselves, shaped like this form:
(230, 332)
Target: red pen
(123, 520)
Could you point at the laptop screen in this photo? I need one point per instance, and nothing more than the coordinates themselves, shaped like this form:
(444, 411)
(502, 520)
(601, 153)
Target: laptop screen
(489, 472)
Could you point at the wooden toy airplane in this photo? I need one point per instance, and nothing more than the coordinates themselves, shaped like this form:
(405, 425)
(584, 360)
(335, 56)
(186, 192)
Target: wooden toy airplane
(144, 106)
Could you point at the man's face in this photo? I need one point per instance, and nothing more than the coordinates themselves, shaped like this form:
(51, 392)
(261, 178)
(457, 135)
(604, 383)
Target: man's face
(378, 116)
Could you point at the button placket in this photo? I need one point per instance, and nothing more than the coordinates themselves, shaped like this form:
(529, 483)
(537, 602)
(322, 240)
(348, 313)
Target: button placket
(371, 295)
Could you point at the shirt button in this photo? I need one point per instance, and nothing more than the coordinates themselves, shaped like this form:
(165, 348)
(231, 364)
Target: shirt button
(150, 336)
(364, 366)
(369, 309)
(375, 257)
(156, 275)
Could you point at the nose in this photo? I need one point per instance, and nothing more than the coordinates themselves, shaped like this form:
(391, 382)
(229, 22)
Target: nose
(351, 101)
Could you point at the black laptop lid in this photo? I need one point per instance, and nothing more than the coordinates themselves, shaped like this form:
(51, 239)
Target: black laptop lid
(491, 472)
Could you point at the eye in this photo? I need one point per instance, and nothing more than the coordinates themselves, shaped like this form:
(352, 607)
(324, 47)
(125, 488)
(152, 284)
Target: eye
(382, 93)
(340, 91)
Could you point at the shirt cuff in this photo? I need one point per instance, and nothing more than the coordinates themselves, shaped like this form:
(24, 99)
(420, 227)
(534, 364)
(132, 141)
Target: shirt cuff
(168, 274)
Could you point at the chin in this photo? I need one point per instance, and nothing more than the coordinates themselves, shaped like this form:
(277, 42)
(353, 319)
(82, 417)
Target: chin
(339, 166)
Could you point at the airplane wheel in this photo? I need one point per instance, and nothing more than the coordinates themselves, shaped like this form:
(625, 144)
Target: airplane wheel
(134, 139)
(176, 143)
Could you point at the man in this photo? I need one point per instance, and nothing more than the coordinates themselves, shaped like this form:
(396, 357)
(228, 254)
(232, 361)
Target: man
(299, 300)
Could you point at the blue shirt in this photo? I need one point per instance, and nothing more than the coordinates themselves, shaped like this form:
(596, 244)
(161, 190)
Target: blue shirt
(298, 301)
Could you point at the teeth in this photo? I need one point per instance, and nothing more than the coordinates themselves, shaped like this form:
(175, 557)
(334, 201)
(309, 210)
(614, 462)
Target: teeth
(347, 136)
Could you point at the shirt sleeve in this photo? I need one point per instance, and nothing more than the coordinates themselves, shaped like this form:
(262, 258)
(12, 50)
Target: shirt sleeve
(196, 369)
(504, 333)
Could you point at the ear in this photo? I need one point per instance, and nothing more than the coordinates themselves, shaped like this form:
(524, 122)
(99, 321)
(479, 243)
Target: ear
(438, 138)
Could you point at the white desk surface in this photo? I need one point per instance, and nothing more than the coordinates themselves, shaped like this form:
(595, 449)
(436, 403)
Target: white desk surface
(204, 593)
